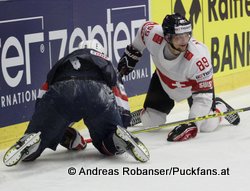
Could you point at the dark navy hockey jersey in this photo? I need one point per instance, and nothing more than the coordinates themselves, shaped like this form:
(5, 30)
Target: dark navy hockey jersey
(86, 64)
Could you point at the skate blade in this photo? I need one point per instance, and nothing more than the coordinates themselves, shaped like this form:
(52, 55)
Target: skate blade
(141, 153)
(139, 150)
(14, 154)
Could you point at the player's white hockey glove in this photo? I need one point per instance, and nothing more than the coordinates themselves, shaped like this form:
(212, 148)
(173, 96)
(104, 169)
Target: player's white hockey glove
(183, 132)
(128, 61)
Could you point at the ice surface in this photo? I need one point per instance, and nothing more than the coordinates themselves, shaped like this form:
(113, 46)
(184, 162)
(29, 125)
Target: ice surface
(226, 148)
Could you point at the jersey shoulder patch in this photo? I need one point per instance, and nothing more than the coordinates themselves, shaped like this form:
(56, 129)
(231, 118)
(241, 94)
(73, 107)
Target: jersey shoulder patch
(188, 55)
(146, 29)
(158, 38)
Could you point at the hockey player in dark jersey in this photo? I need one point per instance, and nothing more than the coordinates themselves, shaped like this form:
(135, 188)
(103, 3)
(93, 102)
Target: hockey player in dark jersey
(79, 86)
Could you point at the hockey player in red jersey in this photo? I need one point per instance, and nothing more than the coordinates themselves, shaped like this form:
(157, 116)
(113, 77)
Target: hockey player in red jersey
(183, 71)
(79, 86)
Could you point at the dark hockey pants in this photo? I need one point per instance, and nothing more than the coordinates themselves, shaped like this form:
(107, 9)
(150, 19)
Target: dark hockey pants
(73, 100)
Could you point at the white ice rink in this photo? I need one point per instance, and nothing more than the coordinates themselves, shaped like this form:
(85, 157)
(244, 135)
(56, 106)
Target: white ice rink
(227, 148)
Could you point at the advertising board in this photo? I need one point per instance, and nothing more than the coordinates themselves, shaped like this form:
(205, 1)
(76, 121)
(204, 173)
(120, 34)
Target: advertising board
(37, 34)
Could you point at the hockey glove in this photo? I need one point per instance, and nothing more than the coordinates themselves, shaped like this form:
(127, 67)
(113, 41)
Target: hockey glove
(128, 61)
(183, 132)
(72, 140)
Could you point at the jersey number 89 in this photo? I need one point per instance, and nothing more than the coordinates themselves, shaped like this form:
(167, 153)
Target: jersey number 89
(202, 64)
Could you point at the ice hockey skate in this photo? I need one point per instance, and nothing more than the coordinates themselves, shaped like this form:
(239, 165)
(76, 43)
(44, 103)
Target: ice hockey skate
(132, 145)
(136, 119)
(234, 118)
(22, 149)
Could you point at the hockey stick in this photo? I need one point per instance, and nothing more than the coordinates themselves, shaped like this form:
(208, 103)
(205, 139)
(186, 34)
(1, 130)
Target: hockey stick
(185, 121)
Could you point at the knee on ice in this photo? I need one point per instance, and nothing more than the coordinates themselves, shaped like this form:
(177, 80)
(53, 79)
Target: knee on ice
(208, 125)
(152, 117)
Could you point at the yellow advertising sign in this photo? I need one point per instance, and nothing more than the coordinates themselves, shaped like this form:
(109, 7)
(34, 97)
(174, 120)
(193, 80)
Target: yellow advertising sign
(227, 34)
(223, 25)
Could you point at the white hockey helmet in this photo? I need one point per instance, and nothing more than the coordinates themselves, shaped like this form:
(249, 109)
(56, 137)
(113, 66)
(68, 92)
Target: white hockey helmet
(93, 44)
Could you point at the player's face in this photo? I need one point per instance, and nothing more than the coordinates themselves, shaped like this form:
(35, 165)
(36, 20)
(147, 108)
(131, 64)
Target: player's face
(180, 41)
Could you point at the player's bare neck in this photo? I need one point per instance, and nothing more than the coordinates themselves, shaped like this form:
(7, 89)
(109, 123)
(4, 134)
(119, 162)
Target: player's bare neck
(170, 53)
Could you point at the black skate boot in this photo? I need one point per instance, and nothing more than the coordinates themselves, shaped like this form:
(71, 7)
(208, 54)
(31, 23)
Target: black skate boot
(22, 149)
(125, 141)
(234, 118)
